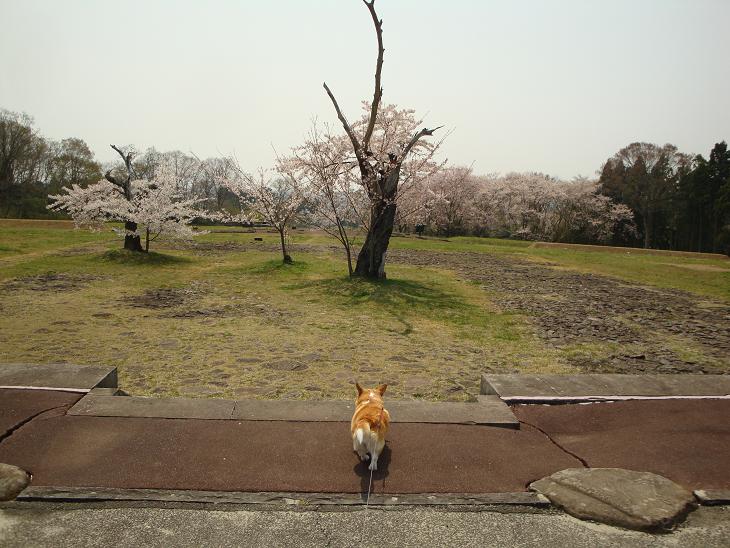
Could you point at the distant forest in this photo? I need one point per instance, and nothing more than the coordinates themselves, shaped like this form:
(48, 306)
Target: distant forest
(674, 200)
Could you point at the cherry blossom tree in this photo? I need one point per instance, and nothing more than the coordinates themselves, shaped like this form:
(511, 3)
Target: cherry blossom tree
(154, 204)
(380, 160)
(449, 207)
(276, 200)
(325, 166)
(533, 206)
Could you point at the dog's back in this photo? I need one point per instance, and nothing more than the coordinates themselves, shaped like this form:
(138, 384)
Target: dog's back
(370, 424)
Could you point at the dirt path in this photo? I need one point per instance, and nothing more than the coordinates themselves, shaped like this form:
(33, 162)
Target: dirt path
(637, 328)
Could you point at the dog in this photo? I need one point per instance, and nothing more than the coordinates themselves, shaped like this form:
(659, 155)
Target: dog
(369, 424)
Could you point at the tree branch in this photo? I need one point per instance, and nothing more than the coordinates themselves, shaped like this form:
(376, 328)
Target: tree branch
(423, 133)
(346, 125)
(378, 94)
(113, 180)
(126, 186)
(127, 160)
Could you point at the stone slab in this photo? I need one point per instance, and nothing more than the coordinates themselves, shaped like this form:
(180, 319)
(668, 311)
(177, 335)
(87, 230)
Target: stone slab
(57, 376)
(165, 408)
(102, 494)
(293, 410)
(630, 499)
(487, 411)
(713, 497)
(598, 387)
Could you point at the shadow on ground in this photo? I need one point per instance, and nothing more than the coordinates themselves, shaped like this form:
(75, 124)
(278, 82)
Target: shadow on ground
(361, 469)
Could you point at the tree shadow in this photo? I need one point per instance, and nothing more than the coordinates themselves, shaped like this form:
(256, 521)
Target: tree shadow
(133, 258)
(276, 266)
(399, 298)
(361, 469)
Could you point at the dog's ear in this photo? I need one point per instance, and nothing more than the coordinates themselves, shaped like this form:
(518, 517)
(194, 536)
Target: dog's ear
(381, 389)
(359, 388)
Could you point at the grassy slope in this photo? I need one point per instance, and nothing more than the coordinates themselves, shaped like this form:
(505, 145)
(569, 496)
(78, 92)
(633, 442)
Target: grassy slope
(251, 318)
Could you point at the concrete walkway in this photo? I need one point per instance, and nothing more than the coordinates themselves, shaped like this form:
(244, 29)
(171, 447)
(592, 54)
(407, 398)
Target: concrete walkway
(687, 441)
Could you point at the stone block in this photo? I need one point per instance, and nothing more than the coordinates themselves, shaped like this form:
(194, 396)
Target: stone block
(626, 498)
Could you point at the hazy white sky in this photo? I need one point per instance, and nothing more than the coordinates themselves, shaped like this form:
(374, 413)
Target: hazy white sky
(553, 86)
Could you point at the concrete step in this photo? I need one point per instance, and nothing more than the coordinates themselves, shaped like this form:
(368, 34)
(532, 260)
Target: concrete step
(489, 410)
(57, 376)
(526, 388)
(285, 499)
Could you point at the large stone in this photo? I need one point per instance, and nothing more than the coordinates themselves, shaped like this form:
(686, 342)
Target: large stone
(635, 500)
(12, 481)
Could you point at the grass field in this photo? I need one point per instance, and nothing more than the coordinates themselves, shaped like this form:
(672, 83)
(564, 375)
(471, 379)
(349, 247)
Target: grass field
(224, 318)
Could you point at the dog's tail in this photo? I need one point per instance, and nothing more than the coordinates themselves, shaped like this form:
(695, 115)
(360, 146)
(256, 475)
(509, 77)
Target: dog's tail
(362, 432)
(366, 437)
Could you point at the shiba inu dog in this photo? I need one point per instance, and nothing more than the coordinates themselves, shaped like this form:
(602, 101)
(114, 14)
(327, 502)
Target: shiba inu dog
(369, 424)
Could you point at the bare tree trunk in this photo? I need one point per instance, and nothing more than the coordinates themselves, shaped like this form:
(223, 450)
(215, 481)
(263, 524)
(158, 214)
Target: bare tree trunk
(371, 260)
(132, 241)
(648, 220)
(349, 259)
(287, 258)
(147, 241)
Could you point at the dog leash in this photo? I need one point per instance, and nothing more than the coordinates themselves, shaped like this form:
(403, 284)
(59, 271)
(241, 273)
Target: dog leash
(370, 485)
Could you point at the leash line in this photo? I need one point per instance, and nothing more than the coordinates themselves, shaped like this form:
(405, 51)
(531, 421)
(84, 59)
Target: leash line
(370, 485)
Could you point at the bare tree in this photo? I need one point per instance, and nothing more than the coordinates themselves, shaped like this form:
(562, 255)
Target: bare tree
(380, 173)
(320, 168)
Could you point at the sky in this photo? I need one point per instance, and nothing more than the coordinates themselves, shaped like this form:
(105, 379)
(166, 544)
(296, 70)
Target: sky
(555, 86)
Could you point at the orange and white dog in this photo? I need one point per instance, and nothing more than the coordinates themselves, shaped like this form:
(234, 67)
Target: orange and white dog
(369, 424)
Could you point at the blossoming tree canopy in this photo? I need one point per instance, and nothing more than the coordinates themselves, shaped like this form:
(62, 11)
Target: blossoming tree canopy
(153, 204)
(273, 199)
(529, 206)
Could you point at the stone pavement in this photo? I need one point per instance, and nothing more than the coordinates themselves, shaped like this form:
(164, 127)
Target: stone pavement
(77, 526)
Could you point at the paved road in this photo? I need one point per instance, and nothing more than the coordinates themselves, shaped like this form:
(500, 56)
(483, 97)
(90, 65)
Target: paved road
(75, 528)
